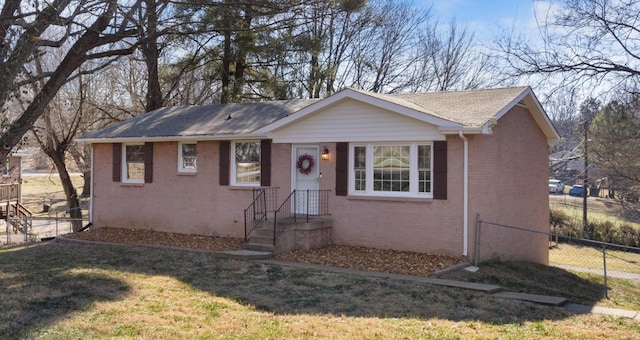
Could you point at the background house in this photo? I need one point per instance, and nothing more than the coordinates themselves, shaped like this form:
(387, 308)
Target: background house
(405, 172)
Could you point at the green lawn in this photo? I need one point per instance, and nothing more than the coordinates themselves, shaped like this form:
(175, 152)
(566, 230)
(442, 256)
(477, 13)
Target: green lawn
(64, 291)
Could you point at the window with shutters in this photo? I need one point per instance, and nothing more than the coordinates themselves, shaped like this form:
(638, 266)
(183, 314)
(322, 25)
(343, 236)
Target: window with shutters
(133, 163)
(246, 163)
(391, 169)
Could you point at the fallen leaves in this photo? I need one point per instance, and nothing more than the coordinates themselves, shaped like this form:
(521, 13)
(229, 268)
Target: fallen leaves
(371, 259)
(361, 258)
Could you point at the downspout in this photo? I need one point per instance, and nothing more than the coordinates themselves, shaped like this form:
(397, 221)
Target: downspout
(465, 195)
(91, 199)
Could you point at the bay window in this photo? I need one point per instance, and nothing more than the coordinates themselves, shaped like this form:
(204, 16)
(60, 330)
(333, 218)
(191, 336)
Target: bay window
(391, 169)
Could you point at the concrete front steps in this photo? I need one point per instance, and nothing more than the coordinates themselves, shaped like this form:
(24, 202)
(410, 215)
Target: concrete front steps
(299, 235)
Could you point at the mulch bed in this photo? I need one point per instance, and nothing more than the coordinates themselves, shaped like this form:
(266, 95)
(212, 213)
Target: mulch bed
(361, 258)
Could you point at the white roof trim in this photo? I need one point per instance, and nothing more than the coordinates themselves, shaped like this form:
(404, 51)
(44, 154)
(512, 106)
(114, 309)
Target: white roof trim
(351, 94)
(539, 115)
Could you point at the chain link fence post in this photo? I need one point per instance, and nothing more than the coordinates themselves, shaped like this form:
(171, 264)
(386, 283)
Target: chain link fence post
(477, 246)
(604, 262)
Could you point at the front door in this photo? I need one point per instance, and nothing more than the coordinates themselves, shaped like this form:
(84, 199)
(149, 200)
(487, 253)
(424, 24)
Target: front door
(306, 162)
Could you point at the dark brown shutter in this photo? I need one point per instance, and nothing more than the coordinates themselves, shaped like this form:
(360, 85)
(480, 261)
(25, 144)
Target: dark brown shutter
(148, 162)
(440, 170)
(225, 148)
(265, 162)
(117, 162)
(342, 169)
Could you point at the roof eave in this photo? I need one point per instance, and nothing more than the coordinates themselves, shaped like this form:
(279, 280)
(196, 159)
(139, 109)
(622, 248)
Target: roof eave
(471, 130)
(171, 138)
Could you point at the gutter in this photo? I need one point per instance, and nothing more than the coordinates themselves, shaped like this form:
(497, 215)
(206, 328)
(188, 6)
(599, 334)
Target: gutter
(465, 204)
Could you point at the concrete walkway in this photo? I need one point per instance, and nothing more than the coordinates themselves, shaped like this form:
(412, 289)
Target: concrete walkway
(479, 287)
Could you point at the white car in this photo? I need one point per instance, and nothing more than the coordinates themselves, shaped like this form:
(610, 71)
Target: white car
(556, 186)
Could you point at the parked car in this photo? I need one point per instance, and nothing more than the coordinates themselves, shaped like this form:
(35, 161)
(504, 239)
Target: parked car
(556, 186)
(576, 190)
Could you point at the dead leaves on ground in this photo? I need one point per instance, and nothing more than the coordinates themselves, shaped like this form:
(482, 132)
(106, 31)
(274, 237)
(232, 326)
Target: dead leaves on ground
(361, 258)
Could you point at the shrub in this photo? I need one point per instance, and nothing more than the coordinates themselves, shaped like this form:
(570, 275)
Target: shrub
(629, 235)
(603, 231)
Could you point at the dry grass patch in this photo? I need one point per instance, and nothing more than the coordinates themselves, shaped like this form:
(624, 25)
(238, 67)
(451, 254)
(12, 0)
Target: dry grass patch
(41, 189)
(592, 258)
(599, 209)
(581, 288)
(65, 290)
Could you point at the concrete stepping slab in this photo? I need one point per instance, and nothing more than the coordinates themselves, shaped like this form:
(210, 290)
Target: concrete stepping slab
(481, 287)
(244, 254)
(584, 309)
(541, 299)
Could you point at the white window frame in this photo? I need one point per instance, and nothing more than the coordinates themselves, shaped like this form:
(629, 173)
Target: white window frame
(125, 177)
(181, 167)
(413, 171)
(234, 175)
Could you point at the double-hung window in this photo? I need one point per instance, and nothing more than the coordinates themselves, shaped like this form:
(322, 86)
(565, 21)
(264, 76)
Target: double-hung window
(187, 157)
(246, 163)
(133, 163)
(391, 169)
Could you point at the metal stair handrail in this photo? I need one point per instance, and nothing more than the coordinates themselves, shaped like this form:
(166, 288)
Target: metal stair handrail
(286, 214)
(263, 201)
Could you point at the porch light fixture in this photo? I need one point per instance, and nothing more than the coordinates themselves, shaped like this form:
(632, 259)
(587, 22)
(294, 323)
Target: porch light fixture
(325, 154)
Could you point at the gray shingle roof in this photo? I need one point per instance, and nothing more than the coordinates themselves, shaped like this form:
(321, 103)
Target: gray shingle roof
(472, 108)
(469, 108)
(201, 120)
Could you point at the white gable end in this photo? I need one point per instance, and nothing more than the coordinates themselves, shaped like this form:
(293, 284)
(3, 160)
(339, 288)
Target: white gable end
(354, 121)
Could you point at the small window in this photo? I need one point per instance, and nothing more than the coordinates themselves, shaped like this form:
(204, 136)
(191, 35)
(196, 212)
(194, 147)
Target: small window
(246, 163)
(133, 165)
(187, 157)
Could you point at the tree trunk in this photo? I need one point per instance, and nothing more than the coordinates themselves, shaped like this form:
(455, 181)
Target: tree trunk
(73, 202)
(226, 68)
(86, 186)
(151, 54)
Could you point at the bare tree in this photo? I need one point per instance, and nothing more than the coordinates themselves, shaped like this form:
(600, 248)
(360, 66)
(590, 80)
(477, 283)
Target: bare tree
(584, 43)
(384, 55)
(452, 59)
(84, 30)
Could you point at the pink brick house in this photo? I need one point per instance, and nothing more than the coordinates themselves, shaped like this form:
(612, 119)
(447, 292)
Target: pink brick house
(403, 171)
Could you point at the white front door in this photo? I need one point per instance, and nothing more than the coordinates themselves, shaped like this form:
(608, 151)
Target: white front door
(306, 162)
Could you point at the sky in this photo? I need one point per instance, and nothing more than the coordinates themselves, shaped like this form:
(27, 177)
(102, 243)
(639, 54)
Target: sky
(488, 17)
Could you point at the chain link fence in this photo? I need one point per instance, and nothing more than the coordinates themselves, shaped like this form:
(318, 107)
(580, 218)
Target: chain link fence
(570, 253)
(38, 228)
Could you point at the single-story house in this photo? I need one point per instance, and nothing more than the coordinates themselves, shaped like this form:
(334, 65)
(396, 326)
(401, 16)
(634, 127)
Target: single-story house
(396, 171)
